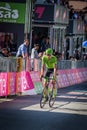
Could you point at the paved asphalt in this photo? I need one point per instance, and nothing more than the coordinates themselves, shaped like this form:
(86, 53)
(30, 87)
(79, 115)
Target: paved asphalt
(24, 113)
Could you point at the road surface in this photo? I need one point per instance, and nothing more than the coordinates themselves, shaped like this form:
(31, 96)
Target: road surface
(24, 112)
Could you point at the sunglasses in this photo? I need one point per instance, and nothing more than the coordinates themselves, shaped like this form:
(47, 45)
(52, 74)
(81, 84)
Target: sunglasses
(48, 55)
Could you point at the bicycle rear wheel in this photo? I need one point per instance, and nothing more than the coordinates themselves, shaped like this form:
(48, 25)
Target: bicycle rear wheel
(44, 98)
(52, 98)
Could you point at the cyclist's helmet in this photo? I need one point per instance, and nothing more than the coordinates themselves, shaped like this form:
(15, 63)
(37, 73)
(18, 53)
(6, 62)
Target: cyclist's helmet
(49, 51)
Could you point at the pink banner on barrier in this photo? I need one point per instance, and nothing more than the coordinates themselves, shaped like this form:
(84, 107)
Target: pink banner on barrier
(78, 76)
(37, 82)
(71, 77)
(67, 81)
(71, 74)
(35, 76)
(3, 84)
(84, 74)
(12, 83)
(62, 79)
(24, 81)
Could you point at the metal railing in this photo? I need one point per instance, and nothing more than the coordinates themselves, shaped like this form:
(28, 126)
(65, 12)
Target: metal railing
(13, 64)
(67, 64)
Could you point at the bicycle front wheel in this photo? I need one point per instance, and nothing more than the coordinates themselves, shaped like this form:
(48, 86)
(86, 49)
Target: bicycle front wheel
(53, 94)
(52, 98)
(44, 98)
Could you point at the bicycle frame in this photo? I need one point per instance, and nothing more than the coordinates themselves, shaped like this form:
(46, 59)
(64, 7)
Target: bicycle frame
(48, 90)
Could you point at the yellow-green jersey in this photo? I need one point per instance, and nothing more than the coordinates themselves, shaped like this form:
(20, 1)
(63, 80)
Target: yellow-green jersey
(50, 63)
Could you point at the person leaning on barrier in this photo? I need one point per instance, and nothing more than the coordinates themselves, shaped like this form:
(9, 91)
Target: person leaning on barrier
(22, 50)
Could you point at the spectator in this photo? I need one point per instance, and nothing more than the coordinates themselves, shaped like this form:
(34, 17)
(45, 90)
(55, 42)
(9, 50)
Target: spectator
(34, 39)
(22, 50)
(45, 44)
(71, 58)
(85, 57)
(77, 55)
(8, 42)
(2, 38)
(4, 52)
(34, 55)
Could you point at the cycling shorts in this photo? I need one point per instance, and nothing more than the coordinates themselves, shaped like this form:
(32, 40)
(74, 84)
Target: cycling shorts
(48, 73)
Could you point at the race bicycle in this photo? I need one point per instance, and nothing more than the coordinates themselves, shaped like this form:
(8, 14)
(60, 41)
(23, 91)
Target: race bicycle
(48, 93)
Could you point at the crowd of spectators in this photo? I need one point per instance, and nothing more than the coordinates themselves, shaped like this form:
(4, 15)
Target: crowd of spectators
(43, 43)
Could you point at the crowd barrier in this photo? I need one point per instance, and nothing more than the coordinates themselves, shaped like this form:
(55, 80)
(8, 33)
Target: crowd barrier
(18, 78)
(13, 64)
(62, 64)
(26, 82)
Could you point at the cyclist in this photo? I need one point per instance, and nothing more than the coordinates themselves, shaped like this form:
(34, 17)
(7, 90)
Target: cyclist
(49, 66)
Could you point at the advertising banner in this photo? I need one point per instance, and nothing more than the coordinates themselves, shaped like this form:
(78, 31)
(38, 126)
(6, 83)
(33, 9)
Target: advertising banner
(44, 13)
(24, 83)
(78, 27)
(11, 83)
(51, 13)
(61, 15)
(3, 84)
(74, 76)
(12, 12)
(84, 72)
(71, 76)
(36, 80)
(62, 79)
(28, 83)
